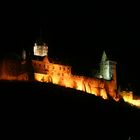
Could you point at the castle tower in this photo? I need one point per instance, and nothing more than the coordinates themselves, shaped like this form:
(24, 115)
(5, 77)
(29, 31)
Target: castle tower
(108, 69)
(40, 48)
(104, 68)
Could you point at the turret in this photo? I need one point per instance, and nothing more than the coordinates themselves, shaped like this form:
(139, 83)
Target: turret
(23, 55)
(40, 50)
(107, 71)
(40, 47)
(107, 68)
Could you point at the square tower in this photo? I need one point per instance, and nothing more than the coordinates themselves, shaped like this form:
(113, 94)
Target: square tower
(107, 68)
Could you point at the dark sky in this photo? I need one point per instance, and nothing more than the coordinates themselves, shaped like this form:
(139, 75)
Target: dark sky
(78, 34)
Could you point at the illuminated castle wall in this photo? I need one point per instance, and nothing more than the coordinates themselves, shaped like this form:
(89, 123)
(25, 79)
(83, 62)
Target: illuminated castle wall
(41, 68)
(12, 68)
(103, 84)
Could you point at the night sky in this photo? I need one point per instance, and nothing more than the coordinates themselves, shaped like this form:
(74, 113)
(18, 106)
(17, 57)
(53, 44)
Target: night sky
(76, 34)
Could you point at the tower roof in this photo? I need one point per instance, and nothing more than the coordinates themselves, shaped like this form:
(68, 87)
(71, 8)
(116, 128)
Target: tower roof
(104, 57)
(40, 41)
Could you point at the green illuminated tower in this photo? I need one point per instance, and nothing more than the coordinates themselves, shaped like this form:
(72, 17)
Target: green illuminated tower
(107, 69)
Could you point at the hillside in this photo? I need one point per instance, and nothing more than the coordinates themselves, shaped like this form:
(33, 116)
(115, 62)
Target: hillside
(56, 107)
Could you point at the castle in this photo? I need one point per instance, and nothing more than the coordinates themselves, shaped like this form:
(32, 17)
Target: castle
(46, 70)
(103, 83)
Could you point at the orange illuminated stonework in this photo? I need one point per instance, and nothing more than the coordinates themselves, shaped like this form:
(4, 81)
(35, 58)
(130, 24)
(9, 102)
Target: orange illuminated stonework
(11, 68)
(104, 84)
(130, 98)
(40, 68)
(61, 75)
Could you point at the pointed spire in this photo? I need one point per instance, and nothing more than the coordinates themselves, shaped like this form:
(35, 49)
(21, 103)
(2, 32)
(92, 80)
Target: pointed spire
(104, 57)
